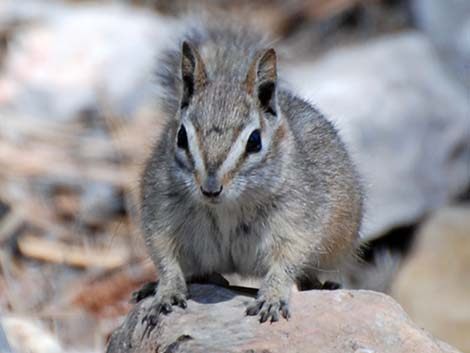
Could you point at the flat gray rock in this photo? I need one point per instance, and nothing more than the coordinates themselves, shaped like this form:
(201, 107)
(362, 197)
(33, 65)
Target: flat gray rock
(322, 321)
(447, 24)
(68, 61)
(4, 346)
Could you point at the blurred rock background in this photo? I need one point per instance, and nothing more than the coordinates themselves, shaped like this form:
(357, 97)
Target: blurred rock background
(78, 115)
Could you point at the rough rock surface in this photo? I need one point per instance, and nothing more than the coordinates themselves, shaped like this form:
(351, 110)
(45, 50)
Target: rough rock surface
(433, 284)
(404, 118)
(323, 321)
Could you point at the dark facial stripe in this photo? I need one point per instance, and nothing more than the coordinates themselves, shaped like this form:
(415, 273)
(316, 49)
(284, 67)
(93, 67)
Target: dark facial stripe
(277, 139)
(187, 151)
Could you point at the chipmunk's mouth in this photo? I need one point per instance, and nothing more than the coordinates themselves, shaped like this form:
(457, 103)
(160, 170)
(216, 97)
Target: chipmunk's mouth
(213, 197)
(213, 193)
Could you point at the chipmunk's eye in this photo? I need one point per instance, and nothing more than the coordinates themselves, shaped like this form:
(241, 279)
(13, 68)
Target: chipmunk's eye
(254, 142)
(182, 139)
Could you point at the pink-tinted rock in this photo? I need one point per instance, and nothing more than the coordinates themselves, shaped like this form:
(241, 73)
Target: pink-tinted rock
(322, 321)
(438, 267)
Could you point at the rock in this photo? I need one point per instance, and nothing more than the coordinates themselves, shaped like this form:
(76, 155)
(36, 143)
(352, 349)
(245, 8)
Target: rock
(99, 202)
(327, 321)
(433, 284)
(404, 119)
(29, 335)
(91, 203)
(4, 345)
(447, 23)
(69, 60)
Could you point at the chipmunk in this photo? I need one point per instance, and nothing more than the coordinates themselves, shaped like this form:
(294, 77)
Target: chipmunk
(245, 178)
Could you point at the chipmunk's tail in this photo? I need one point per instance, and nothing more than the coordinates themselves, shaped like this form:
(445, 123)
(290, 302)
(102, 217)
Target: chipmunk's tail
(377, 274)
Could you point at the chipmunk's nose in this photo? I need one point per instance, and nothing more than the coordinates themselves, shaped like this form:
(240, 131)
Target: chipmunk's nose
(211, 187)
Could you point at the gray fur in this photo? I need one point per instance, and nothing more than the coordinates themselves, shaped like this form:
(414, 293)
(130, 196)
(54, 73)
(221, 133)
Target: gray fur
(231, 50)
(289, 213)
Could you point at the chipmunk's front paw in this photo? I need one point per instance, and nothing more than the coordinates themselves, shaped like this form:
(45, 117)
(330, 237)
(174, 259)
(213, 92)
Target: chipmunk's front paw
(147, 290)
(162, 303)
(269, 308)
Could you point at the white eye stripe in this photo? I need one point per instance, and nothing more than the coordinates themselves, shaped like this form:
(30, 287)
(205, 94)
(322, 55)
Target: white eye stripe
(237, 149)
(234, 154)
(194, 147)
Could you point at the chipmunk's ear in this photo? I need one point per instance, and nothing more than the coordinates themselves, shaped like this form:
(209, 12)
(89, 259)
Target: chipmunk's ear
(261, 80)
(193, 72)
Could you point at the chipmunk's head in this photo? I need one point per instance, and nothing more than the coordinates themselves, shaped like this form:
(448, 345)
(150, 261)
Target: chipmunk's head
(229, 131)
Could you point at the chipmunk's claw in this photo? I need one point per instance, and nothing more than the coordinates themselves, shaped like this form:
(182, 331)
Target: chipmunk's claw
(148, 290)
(162, 304)
(269, 309)
(150, 321)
